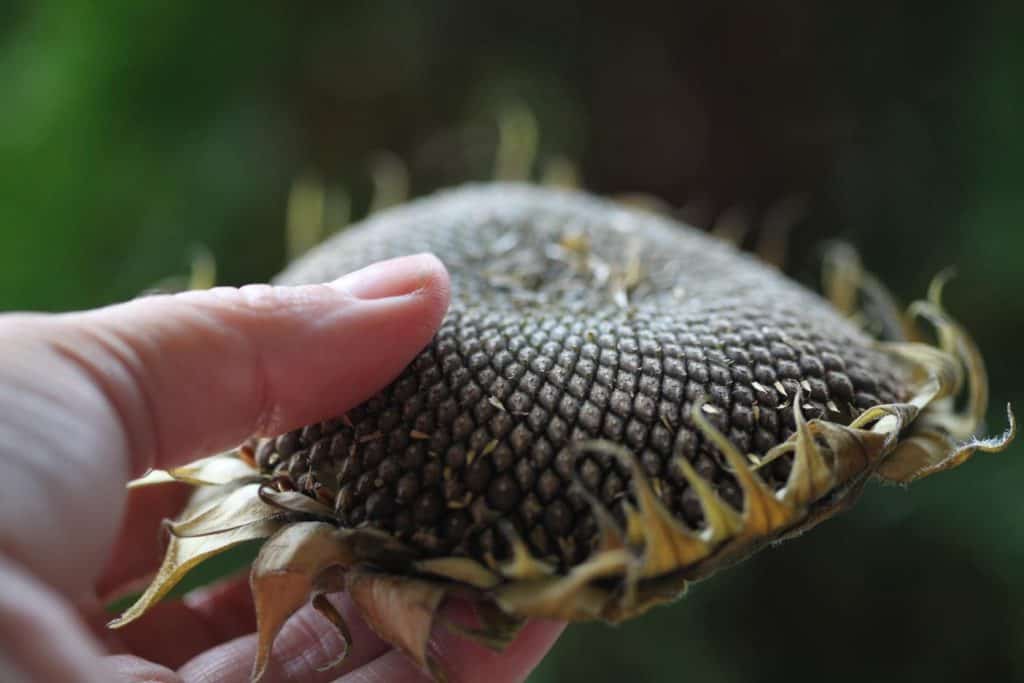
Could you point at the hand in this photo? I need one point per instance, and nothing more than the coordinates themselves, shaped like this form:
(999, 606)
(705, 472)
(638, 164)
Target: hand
(91, 400)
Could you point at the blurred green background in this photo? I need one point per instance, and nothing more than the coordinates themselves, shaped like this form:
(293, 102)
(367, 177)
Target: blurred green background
(131, 133)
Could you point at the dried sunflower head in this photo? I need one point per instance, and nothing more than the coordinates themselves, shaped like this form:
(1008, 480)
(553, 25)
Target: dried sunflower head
(614, 406)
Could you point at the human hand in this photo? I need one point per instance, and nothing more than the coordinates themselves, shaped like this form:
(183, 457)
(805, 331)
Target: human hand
(90, 400)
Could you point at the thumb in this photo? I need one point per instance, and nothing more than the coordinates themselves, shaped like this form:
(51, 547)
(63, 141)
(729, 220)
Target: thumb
(93, 398)
(201, 371)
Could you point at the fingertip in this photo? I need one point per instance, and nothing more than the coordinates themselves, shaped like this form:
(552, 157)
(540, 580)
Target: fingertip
(434, 292)
(461, 659)
(355, 345)
(421, 287)
(198, 372)
(466, 660)
(416, 274)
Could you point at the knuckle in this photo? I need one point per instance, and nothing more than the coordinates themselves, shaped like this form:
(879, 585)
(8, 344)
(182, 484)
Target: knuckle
(263, 299)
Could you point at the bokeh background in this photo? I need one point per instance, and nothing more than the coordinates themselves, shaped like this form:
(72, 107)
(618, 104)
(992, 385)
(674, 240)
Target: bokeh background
(136, 135)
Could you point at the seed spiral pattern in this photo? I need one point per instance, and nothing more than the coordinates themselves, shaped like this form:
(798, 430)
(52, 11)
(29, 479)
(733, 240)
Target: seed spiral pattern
(572, 319)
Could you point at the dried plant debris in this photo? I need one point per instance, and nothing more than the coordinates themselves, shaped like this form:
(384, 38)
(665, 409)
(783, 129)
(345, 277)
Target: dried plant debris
(615, 405)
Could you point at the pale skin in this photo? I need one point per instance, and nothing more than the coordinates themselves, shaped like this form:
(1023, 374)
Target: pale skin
(91, 400)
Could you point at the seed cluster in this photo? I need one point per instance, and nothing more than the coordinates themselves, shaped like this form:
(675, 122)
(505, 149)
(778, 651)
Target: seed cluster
(539, 352)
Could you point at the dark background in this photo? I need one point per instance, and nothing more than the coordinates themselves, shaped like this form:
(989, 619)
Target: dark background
(134, 133)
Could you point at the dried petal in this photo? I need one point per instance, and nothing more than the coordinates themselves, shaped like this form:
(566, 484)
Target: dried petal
(185, 553)
(284, 576)
(399, 610)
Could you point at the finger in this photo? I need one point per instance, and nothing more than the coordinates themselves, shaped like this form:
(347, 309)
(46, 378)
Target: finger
(138, 550)
(41, 638)
(463, 660)
(306, 644)
(199, 372)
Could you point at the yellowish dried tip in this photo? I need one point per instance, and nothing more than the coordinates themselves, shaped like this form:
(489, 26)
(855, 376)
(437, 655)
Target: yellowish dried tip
(938, 285)
(929, 452)
(305, 221)
(778, 222)
(571, 597)
(927, 434)
(842, 275)
(722, 522)
(667, 544)
(811, 476)
(845, 282)
(523, 565)
(518, 133)
(955, 341)
(460, 570)
(202, 274)
(390, 181)
(732, 226)
(203, 271)
(560, 172)
(763, 513)
(645, 202)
